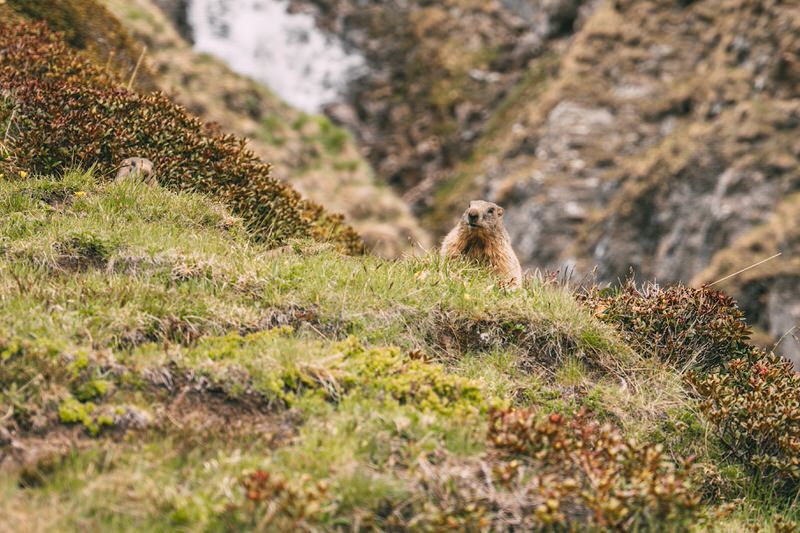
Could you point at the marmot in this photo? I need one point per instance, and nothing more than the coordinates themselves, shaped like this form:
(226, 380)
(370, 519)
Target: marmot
(136, 166)
(481, 235)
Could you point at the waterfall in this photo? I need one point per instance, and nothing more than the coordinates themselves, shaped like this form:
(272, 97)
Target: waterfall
(302, 64)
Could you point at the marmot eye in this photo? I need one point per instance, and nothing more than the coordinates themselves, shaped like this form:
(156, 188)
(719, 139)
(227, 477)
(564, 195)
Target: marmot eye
(491, 210)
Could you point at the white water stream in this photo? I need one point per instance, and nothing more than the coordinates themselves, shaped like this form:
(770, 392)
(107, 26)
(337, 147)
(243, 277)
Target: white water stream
(286, 51)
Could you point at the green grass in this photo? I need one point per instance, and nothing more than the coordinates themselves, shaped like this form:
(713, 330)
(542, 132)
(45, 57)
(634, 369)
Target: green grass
(154, 355)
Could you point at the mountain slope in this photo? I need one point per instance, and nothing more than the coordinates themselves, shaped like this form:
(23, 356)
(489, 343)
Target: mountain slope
(163, 369)
(623, 135)
(667, 132)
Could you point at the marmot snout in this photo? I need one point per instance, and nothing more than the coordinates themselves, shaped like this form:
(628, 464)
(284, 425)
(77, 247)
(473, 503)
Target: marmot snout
(481, 235)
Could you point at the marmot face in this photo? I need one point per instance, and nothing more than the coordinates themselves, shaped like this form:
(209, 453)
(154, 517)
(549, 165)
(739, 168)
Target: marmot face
(482, 217)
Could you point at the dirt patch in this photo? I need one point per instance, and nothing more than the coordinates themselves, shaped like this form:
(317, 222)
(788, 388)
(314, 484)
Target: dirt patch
(191, 408)
(57, 198)
(193, 411)
(203, 414)
(454, 333)
(34, 457)
(83, 251)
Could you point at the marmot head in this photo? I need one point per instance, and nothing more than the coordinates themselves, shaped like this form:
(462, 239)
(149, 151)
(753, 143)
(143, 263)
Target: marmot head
(482, 216)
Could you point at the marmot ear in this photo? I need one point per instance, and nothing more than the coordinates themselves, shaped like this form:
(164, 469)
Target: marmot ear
(500, 211)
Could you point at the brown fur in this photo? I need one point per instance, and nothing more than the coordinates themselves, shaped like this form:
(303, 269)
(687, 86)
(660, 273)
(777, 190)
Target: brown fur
(481, 235)
(136, 166)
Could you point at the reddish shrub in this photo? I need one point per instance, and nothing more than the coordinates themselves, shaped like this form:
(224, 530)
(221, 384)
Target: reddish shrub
(88, 26)
(754, 403)
(680, 325)
(751, 398)
(593, 474)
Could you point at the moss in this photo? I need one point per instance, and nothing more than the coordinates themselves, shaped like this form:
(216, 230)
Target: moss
(96, 388)
(79, 362)
(12, 348)
(71, 411)
(411, 381)
(354, 371)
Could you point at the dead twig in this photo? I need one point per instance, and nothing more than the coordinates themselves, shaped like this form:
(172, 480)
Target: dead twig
(136, 69)
(783, 337)
(745, 269)
(8, 128)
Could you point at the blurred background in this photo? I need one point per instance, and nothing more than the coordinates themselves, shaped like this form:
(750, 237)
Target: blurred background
(653, 137)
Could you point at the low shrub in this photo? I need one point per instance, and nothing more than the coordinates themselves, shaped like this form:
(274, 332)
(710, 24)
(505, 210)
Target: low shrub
(590, 473)
(88, 26)
(553, 473)
(68, 112)
(754, 403)
(683, 326)
(751, 398)
(291, 503)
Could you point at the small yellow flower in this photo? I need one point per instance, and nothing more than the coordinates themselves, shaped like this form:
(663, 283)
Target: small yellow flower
(23, 174)
(80, 194)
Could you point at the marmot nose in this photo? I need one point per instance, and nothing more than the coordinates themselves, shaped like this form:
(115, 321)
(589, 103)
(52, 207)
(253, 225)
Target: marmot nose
(472, 214)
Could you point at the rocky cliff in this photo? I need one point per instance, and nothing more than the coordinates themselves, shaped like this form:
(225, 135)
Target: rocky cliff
(667, 137)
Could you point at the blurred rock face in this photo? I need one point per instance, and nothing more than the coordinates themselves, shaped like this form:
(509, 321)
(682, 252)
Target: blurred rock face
(783, 312)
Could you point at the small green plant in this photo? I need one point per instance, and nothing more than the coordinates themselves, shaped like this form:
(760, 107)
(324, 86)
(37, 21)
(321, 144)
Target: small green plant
(271, 127)
(332, 137)
(349, 165)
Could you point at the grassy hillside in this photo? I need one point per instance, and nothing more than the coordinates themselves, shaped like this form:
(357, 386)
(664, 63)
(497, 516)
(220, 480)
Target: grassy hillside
(206, 354)
(162, 369)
